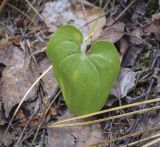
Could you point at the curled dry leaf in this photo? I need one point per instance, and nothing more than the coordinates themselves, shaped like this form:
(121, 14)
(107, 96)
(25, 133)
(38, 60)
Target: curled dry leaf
(125, 83)
(63, 12)
(74, 136)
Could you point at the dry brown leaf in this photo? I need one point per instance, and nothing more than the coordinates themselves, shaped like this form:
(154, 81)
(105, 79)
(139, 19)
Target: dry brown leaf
(16, 79)
(135, 37)
(63, 12)
(11, 55)
(131, 56)
(154, 27)
(74, 136)
(113, 33)
(90, 14)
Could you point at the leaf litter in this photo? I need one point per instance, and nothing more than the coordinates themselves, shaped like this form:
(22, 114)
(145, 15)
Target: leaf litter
(76, 136)
(135, 35)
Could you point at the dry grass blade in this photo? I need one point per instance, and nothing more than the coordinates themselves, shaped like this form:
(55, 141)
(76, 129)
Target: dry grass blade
(109, 110)
(104, 119)
(23, 99)
(153, 142)
(145, 139)
(127, 136)
(43, 119)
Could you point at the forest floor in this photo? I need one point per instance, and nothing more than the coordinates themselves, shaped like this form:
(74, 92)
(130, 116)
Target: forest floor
(132, 116)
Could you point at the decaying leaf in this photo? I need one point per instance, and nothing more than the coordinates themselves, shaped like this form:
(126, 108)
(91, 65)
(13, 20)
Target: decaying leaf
(113, 33)
(63, 12)
(125, 83)
(154, 27)
(131, 56)
(11, 55)
(16, 79)
(74, 136)
(135, 37)
(18, 76)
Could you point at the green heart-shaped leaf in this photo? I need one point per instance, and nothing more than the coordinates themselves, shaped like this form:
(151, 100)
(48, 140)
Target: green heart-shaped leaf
(85, 79)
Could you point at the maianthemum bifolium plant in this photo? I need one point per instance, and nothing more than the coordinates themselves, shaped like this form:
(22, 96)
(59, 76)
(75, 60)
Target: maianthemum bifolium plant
(84, 78)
